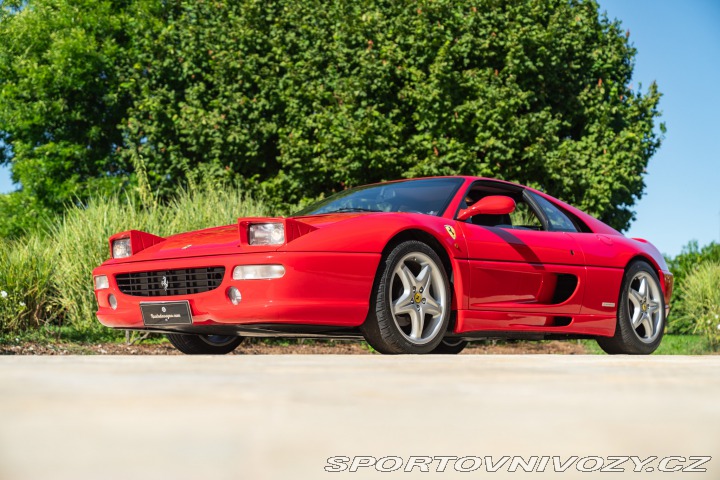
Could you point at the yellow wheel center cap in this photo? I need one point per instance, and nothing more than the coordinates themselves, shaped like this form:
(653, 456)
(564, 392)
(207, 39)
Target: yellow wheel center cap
(644, 307)
(418, 298)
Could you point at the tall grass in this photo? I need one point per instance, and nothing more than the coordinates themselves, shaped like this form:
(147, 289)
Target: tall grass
(28, 295)
(51, 272)
(702, 301)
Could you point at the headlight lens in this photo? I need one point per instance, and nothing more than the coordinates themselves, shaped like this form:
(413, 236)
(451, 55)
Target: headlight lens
(266, 234)
(101, 282)
(258, 272)
(121, 248)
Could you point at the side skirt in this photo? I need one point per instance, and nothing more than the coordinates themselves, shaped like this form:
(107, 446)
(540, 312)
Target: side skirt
(481, 324)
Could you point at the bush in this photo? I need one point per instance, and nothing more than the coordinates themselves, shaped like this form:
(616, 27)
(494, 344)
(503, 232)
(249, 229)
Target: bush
(702, 301)
(21, 214)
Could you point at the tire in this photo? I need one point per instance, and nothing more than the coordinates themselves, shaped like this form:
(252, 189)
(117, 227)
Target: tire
(204, 344)
(640, 314)
(410, 304)
(450, 347)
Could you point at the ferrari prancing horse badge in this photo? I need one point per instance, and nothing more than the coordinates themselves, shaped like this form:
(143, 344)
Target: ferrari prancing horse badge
(450, 231)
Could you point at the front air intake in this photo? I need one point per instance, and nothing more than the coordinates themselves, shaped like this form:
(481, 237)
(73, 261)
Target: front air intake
(165, 283)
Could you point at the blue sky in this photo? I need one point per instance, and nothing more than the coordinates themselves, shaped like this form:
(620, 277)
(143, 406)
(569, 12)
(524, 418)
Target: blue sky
(678, 47)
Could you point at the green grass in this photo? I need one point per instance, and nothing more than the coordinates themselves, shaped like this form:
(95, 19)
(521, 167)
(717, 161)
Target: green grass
(46, 277)
(670, 345)
(702, 301)
(49, 334)
(27, 293)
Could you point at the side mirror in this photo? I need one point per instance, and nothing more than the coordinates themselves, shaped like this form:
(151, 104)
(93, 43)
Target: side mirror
(491, 205)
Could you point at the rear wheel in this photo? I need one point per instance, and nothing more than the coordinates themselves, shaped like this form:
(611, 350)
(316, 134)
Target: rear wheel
(641, 313)
(411, 301)
(204, 344)
(450, 347)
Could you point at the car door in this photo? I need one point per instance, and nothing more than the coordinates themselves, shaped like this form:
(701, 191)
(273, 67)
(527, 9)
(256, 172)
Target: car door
(525, 266)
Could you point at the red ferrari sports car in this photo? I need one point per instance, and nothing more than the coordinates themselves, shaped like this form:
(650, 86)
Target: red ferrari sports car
(413, 266)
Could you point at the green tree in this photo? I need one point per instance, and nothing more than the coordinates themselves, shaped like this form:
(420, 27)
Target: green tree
(296, 98)
(60, 103)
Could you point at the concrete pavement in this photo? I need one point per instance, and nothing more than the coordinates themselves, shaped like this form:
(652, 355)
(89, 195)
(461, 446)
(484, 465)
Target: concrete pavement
(273, 417)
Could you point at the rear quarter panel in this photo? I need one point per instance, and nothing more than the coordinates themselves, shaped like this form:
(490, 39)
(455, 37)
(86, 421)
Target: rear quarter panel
(606, 257)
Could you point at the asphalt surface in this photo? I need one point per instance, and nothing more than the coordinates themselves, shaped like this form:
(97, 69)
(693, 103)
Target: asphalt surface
(282, 417)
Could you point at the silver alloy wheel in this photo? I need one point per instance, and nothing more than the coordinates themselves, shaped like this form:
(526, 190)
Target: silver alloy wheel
(217, 340)
(645, 307)
(418, 301)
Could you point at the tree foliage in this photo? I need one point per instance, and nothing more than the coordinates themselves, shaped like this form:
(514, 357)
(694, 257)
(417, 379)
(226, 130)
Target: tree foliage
(296, 98)
(60, 101)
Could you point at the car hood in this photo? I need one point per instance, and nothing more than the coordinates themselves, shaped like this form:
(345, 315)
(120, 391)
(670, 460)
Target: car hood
(225, 240)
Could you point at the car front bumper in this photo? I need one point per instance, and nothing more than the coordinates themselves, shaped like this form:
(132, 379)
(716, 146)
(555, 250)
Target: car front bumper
(318, 288)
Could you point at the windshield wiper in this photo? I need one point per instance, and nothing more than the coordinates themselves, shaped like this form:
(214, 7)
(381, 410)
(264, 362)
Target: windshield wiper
(352, 209)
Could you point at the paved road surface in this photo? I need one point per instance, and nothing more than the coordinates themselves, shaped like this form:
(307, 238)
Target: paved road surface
(281, 417)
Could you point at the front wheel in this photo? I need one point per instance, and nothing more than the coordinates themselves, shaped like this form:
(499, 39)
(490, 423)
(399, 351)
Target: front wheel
(450, 347)
(204, 344)
(411, 301)
(641, 313)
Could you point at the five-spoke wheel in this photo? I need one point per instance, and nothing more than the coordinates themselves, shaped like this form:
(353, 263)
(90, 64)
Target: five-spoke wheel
(645, 304)
(411, 300)
(417, 306)
(641, 313)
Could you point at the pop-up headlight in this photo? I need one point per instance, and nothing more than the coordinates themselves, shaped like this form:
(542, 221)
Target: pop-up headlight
(121, 248)
(266, 234)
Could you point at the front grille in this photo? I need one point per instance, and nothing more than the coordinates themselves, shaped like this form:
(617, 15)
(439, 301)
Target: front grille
(163, 283)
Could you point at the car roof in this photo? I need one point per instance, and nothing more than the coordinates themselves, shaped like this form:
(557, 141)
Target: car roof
(595, 225)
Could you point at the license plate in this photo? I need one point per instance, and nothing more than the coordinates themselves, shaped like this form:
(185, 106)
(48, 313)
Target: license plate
(166, 313)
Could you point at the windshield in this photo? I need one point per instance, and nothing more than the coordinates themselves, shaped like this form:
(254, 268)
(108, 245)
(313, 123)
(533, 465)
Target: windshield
(429, 196)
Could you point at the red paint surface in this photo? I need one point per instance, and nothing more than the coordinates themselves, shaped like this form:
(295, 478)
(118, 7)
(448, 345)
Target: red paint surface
(504, 279)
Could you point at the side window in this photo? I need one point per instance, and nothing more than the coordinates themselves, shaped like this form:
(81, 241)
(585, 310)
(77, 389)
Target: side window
(557, 220)
(524, 217)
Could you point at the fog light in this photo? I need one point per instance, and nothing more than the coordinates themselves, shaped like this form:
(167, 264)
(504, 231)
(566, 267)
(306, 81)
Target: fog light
(101, 282)
(112, 301)
(258, 272)
(234, 295)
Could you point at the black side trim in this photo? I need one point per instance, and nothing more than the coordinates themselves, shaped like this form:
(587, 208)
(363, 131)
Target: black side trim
(262, 330)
